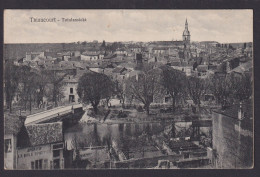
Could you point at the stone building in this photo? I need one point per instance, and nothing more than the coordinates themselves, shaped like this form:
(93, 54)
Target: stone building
(232, 137)
(40, 146)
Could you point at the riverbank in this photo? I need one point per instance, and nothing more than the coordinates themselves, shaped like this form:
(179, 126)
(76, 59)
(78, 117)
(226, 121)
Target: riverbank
(134, 116)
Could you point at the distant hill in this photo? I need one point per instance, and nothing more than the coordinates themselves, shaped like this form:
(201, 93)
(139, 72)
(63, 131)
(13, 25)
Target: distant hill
(241, 44)
(15, 51)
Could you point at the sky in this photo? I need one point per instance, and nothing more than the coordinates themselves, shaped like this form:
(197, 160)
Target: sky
(224, 26)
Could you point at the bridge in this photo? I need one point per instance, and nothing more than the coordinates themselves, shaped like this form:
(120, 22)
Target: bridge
(56, 114)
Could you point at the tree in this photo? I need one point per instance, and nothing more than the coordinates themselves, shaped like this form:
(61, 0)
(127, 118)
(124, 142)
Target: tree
(24, 74)
(244, 45)
(11, 82)
(30, 87)
(173, 81)
(241, 86)
(196, 88)
(41, 81)
(56, 81)
(103, 44)
(120, 91)
(220, 87)
(145, 85)
(93, 87)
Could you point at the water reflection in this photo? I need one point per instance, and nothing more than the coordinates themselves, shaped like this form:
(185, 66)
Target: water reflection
(86, 135)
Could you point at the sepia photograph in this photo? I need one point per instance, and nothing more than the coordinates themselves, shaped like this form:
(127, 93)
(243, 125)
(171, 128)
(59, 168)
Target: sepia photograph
(128, 89)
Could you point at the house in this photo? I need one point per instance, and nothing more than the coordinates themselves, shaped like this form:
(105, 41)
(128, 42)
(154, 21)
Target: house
(89, 56)
(50, 55)
(202, 70)
(121, 51)
(160, 50)
(70, 84)
(92, 55)
(37, 146)
(244, 67)
(70, 89)
(119, 73)
(40, 146)
(31, 55)
(135, 49)
(12, 126)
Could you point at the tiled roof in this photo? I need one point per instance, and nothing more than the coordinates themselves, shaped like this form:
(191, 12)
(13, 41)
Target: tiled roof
(243, 67)
(119, 70)
(109, 56)
(45, 133)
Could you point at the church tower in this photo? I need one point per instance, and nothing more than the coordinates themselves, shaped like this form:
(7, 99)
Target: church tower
(186, 34)
(186, 42)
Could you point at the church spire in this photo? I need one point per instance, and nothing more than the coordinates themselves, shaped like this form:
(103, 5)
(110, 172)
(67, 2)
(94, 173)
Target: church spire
(186, 24)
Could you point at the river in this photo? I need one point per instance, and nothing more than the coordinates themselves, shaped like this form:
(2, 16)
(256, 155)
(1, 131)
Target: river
(97, 134)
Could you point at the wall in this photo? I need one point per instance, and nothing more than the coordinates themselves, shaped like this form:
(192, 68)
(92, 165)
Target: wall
(86, 57)
(66, 91)
(10, 157)
(26, 155)
(234, 147)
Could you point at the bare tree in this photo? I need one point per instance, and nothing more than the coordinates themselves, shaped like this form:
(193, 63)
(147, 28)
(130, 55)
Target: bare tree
(145, 85)
(220, 87)
(241, 86)
(120, 91)
(24, 84)
(56, 80)
(197, 87)
(11, 82)
(174, 82)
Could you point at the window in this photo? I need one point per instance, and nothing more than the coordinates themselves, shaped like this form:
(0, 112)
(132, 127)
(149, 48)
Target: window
(56, 163)
(37, 164)
(8, 145)
(56, 153)
(71, 90)
(186, 155)
(32, 165)
(57, 146)
(40, 164)
(45, 164)
(167, 99)
(51, 165)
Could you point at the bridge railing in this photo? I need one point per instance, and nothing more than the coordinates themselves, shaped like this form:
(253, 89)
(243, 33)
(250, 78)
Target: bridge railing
(45, 115)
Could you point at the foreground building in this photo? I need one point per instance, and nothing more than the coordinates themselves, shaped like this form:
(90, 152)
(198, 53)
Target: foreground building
(233, 137)
(41, 147)
(37, 146)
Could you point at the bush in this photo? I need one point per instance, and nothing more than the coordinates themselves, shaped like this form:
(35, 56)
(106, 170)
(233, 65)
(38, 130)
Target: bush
(122, 114)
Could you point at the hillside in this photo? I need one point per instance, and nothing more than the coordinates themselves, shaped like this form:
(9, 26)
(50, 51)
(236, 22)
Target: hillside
(15, 51)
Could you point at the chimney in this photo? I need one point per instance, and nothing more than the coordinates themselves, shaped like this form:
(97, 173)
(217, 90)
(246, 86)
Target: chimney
(240, 112)
(22, 119)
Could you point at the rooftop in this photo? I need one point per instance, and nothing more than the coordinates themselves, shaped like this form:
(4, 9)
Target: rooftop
(47, 133)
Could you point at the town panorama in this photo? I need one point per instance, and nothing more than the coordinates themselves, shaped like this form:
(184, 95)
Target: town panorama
(128, 105)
